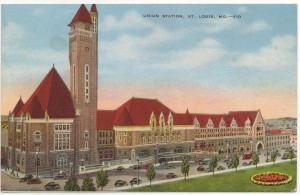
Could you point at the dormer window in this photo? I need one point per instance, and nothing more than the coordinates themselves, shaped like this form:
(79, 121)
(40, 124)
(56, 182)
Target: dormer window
(233, 123)
(222, 123)
(170, 121)
(161, 121)
(210, 124)
(152, 122)
(196, 123)
(87, 27)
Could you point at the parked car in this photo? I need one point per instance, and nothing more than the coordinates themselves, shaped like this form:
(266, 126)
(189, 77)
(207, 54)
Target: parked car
(170, 165)
(250, 163)
(245, 164)
(119, 169)
(171, 175)
(219, 168)
(267, 160)
(203, 163)
(33, 181)
(209, 170)
(278, 154)
(52, 186)
(135, 181)
(60, 176)
(119, 183)
(146, 166)
(136, 167)
(200, 168)
(26, 177)
(284, 157)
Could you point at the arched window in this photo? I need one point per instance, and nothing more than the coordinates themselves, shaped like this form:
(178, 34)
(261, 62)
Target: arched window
(61, 160)
(37, 136)
(86, 76)
(86, 144)
(87, 27)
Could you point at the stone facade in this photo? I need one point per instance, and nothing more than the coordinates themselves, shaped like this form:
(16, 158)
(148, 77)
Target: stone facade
(83, 54)
(277, 141)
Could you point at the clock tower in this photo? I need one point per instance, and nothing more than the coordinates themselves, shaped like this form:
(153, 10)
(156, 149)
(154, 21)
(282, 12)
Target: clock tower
(83, 57)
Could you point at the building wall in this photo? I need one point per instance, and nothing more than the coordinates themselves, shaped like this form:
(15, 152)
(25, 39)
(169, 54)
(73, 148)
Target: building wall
(276, 141)
(106, 146)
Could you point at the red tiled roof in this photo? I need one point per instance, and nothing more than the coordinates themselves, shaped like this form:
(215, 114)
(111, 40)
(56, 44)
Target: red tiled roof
(34, 108)
(137, 111)
(273, 131)
(18, 106)
(105, 119)
(122, 118)
(93, 8)
(82, 15)
(242, 116)
(53, 96)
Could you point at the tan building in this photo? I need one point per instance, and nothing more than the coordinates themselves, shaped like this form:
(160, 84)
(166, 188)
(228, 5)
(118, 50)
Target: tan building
(145, 126)
(276, 139)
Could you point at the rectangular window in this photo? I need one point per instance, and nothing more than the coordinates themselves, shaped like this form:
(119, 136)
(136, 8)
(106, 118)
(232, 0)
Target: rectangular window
(61, 141)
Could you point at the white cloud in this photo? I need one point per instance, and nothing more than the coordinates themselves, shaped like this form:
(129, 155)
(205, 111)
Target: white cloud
(280, 53)
(256, 26)
(205, 52)
(38, 12)
(218, 25)
(242, 9)
(12, 31)
(131, 20)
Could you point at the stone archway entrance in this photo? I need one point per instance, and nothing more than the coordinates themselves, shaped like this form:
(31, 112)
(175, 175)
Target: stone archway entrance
(259, 146)
(162, 150)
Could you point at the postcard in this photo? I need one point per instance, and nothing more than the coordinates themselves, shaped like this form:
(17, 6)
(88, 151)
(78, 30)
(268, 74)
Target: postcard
(149, 97)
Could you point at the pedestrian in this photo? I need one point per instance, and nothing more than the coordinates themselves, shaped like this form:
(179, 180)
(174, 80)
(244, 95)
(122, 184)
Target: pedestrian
(131, 183)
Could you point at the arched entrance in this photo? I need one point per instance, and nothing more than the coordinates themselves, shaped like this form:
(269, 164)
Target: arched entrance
(242, 149)
(178, 149)
(248, 148)
(161, 150)
(259, 146)
(234, 150)
(144, 153)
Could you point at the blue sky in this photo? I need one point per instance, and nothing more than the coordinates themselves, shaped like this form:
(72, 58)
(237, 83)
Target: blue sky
(209, 60)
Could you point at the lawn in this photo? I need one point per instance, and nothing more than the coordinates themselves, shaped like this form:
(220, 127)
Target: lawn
(229, 182)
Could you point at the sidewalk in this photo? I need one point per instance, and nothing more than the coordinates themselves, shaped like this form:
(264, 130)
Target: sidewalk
(12, 175)
(196, 176)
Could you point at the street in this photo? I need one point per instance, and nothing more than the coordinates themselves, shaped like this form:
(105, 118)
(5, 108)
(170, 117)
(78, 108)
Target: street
(13, 184)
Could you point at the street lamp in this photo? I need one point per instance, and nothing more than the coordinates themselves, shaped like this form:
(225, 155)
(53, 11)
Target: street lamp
(37, 163)
(251, 146)
(227, 149)
(138, 168)
(71, 166)
(82, 161)
(155, 154)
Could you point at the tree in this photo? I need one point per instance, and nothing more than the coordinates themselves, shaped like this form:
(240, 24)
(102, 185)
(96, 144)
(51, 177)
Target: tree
(101, 179)
(213, 163)
(150, 173)
(185, 167)
(235, 161)
(273, 157)
(291, 154)
(255, 159)
(71, 184)
(88, 184)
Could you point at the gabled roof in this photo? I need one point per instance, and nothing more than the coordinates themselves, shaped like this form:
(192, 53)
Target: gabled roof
(93, 8)
(53, 96)
(242, 116)
(137, 112)
(18, 106)
(82, 15)
(105, 119)
(34, 108)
